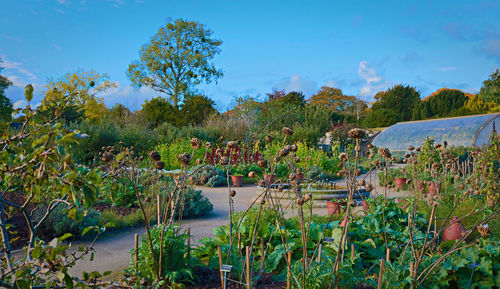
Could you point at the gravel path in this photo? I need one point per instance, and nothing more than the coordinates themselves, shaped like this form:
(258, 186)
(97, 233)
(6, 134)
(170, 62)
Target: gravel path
(112, 252)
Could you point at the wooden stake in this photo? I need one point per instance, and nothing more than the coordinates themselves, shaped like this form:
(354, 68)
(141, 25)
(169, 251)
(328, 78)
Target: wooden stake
(220, 266)
(388, 255)
(239, 242)
(289, 272)
(158, 209)
(320, 251)
(136, 246)
(352, 252)
(188, 232)
(262, 251)
(381, 274)
(411, 269)
(248, 266)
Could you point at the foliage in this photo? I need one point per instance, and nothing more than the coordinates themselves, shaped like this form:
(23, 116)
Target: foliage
(401, 99)
(194, 204)
(66, 220)
(441, 103)
(6, 108)
(195, 109)
(176, 59)
(382, 117)
(176, 267)
(208, 175)
(169, 152)
(333, 99)
(157, 111)
(75, 95)
(490, 91)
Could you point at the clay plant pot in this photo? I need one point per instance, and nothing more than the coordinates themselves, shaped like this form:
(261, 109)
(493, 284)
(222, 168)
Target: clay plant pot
(400, 182)
(434, 188)
(269, 179)
(335, 207)
(237, 181)
(420, 186)
(454, 231)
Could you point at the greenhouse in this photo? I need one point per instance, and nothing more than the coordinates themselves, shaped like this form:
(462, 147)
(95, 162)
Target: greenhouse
(474, 130)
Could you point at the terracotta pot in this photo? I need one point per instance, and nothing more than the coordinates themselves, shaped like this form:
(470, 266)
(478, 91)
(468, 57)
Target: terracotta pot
(454, 231)
(269, 179)
(400, 182)
(334, 207)
(434, 188)
(420, 186)
(300, 177)
(237, 181)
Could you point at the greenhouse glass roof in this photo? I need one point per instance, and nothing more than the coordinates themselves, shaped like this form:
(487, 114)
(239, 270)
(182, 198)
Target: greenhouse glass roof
(473, 130)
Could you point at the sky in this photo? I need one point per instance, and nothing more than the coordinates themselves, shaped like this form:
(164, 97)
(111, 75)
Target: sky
(361, 47)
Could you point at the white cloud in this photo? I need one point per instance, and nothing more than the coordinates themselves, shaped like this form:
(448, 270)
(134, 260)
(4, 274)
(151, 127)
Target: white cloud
(331, 83)
(298, 83)
(16, 72)
(446, 68)
(19, 103)
(373, 82)
(129, 96)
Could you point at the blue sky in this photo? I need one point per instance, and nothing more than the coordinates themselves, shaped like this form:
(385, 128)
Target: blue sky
(361, 47)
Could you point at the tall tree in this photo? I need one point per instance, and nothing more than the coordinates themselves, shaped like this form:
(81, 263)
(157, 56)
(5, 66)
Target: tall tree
(333, 99)
(177, 59)
(77, 93)
(491, 88)
(401, 99)
(6, 108)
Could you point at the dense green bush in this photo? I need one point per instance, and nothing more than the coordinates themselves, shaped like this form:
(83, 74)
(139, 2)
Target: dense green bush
(195, 204)
(64, 220)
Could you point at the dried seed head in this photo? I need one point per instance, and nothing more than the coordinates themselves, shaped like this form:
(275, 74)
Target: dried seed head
(108, 157)
(361, 182)
(233, 193)
(224, 161)
(252, 174)
(261, 183)
(407, 155)
(283, 152)
(445, 144)
(160, 165)
(300, 202)
(298, 170)
(204, 179)
(296, 159)
(307, 197)
(196, 143)
(148, 199)
(356, 133)
(199, 161)
(384, 152)
(435, 166)
(417, 149)
(357, 172)
(288, 131)
(408, 181)
(208, 145)
(357, 148)
(461, 186)
(410, 148)
(232, 145)
(277, 159)
(343, 157)
(262, 201)
(294, 148)
(484, 230)
(262, 163)
(292, 176)
(268, 138)
(438, 145)
(370, 146)
(184, 159)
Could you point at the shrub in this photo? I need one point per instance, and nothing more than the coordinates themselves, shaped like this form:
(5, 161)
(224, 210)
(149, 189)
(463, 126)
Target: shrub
(63, 220)
(195, 204)
(208, 175)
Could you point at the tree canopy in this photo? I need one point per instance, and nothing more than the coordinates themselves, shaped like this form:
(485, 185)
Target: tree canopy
(490, 91)
(77, 93)
(196, 108)
(333, 99)
(443, 102)
(401, 99)
(6, 108)
(176, 59)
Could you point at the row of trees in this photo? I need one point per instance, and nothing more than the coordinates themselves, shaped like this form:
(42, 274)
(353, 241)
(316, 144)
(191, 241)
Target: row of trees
(180, 56)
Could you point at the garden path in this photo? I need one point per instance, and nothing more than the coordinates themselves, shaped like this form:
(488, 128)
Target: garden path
(112, 252)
